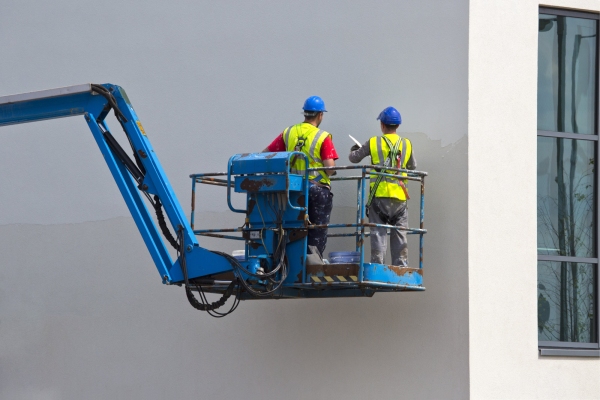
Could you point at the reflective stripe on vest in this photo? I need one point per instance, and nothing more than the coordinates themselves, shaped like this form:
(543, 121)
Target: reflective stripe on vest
(389, 187)
(308, 139)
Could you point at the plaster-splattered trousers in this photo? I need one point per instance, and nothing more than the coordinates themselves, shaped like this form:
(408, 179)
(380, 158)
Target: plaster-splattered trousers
(320, 204)
(389, 211)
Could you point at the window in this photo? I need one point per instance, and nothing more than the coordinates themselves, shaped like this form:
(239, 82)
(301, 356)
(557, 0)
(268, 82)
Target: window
(567, 181)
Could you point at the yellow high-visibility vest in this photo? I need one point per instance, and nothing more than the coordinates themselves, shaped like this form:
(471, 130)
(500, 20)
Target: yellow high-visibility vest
(389, 187)
(308, 139)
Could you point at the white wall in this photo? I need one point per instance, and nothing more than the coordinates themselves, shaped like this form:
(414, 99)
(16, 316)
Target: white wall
(82, 311)
(503, 352)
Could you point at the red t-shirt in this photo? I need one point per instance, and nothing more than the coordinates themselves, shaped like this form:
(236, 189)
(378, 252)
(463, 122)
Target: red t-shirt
(327, 149)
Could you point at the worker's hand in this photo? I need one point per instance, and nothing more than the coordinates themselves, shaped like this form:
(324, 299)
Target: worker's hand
(355, 147)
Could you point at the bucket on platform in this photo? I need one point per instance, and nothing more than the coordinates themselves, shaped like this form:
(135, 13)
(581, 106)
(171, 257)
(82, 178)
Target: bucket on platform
(239, 255)
(345, 257)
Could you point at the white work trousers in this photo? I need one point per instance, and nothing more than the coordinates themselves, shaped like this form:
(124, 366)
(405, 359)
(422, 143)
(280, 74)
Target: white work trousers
(391, 212)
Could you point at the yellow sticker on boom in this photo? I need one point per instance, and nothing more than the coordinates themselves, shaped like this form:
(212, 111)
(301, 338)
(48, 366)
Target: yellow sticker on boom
(139, 124)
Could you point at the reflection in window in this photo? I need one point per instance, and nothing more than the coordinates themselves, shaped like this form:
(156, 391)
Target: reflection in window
(566, 74)
(565, 190)
(566, 302)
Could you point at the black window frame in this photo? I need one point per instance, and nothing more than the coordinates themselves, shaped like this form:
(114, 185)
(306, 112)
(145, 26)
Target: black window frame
(574, 349)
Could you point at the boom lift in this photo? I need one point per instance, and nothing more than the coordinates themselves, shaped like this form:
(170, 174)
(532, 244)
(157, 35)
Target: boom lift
(276, 223)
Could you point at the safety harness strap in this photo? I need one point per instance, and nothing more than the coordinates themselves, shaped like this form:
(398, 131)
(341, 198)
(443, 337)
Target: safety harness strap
(313, 145)
(399, 181)
(286, 139)
(392, 155)
(286, 135)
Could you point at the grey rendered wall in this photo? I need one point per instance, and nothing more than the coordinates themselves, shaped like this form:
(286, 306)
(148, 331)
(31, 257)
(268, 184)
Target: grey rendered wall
(82, 311)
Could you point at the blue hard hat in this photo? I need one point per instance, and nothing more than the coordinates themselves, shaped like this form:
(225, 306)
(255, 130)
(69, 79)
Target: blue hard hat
(315, 104)
(390, 116)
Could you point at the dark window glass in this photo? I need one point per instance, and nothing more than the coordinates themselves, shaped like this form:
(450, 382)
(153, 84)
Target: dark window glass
(566, 302)
(566, 74)
(566, 197)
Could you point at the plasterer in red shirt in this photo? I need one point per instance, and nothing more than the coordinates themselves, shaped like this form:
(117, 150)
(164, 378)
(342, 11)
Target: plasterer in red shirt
(318, 147)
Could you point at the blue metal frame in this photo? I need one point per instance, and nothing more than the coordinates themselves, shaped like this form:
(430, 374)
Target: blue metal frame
(261, 179)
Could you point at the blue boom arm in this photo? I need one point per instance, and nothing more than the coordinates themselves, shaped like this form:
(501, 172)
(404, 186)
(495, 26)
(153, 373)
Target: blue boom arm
(142, 176)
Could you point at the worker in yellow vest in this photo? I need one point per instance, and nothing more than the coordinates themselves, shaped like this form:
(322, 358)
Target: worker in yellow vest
(317, 144)
(387, 197)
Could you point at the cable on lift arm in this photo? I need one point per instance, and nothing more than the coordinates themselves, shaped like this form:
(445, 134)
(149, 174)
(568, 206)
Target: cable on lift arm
(203, 304)
(160, 217)
(112, 103)
(137, 171)
(121, 155)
